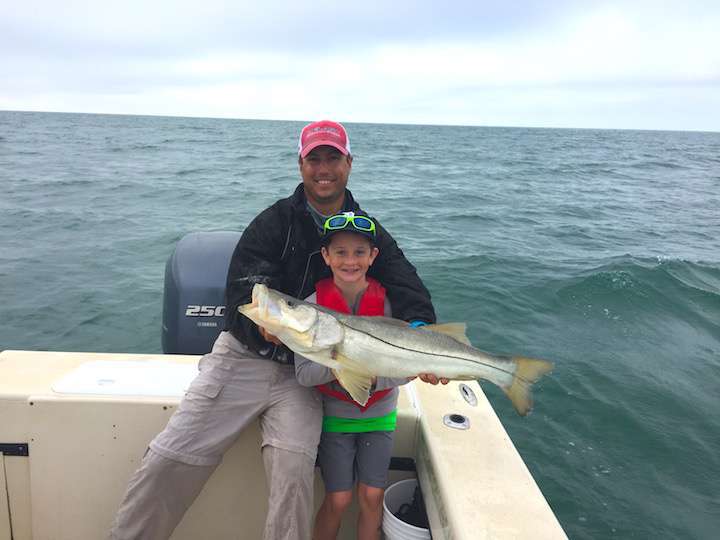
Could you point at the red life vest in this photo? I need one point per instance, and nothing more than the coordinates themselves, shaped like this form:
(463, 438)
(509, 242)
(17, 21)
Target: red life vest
(372, 303)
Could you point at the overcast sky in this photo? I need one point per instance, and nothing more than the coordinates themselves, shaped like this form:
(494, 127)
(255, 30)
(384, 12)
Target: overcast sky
(643, 64)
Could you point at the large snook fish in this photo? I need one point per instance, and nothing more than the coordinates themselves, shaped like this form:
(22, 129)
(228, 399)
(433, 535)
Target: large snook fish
(360, 348)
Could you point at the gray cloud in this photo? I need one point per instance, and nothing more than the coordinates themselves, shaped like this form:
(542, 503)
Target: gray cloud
(435, 61)
(174, 28)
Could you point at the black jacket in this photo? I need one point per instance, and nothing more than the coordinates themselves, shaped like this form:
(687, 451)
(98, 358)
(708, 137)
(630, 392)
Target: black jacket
(281, 248)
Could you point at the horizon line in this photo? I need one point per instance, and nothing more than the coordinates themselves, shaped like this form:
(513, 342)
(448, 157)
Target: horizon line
(421, 124)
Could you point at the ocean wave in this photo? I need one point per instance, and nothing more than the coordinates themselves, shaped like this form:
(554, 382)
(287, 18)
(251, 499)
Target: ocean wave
(137, 147)
(654, 164)
(74, 181)
(189, 172)
(648, 289)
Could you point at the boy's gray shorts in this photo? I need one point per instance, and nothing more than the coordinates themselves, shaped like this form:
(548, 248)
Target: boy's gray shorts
(347, 457)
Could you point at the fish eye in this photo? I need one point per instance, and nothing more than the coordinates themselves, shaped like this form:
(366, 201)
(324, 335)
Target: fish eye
(290, 303)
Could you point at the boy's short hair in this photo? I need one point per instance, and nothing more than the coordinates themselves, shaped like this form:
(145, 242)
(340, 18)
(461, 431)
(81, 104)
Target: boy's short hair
(326, 241)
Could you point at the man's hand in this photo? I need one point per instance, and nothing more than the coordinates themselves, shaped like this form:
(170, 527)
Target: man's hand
(267, 336)
(431, 378)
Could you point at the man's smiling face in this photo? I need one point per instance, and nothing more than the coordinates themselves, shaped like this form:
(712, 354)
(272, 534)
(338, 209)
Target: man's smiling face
(325, 172)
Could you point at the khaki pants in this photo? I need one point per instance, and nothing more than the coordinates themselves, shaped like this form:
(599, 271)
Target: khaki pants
(232, 389)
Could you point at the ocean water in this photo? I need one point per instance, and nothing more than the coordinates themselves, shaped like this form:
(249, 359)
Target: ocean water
(597, 249)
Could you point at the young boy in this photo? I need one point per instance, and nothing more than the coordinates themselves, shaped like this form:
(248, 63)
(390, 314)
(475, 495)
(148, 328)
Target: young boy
(356, 442)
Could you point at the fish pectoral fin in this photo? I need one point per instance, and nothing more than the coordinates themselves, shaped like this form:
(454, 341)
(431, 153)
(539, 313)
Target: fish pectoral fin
(455, 330)
(356, 383)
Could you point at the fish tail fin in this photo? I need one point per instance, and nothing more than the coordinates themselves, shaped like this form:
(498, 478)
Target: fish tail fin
(528, 371)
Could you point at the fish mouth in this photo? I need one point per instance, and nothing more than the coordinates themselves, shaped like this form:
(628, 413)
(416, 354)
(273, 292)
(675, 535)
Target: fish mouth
(257, 302)
(259, 290)
(274, 312)
(259, 296)
(268, 308)
(261, 300)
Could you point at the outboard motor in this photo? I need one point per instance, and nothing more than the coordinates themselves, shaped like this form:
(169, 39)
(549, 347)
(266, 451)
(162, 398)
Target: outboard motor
(194, 297)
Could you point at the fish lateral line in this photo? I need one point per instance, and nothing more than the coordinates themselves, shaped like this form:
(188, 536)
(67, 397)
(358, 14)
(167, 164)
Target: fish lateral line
(491, 366)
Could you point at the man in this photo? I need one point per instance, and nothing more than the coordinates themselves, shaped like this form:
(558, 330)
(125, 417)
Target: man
(249, 374)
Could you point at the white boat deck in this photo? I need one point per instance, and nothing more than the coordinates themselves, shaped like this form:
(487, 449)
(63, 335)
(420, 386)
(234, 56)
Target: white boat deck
(87, 418)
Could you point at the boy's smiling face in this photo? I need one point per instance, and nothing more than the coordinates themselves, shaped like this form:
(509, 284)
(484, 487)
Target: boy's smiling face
(349, 256)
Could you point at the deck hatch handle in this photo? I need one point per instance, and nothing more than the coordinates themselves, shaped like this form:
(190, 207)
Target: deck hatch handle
(456, 421)
(468, 395)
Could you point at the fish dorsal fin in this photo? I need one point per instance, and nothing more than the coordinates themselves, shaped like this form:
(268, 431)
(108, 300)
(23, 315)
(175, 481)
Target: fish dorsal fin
(455, 330)
(356, 383)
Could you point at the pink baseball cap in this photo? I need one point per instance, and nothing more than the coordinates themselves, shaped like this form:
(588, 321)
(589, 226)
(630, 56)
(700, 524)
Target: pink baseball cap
(323, 133)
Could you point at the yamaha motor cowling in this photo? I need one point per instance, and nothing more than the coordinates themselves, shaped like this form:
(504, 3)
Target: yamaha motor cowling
(194, 297)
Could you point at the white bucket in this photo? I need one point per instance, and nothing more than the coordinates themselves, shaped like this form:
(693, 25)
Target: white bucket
(394, 528)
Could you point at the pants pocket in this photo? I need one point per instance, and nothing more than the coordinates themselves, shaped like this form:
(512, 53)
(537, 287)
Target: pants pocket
(205, 388)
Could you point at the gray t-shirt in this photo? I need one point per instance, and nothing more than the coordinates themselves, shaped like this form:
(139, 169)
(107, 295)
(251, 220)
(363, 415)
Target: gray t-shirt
(311, 373)
(318, 217)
